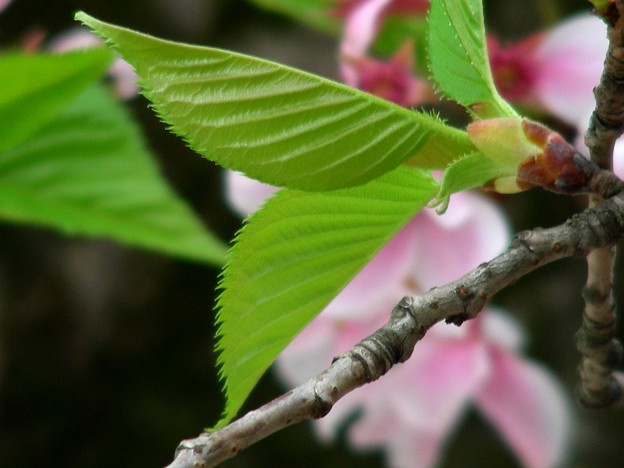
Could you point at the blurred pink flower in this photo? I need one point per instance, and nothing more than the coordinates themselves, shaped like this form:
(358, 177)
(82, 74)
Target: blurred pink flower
(412, 411)
(121, 72)
(245, 195)
(395, 7)
(4, 4)
(393, 79)
(555, 71)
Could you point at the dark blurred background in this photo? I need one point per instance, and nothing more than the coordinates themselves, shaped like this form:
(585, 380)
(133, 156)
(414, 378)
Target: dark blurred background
(106, 352)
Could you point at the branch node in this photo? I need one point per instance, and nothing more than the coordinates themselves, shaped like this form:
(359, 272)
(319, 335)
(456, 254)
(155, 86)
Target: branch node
(602, 398)
(319, 407)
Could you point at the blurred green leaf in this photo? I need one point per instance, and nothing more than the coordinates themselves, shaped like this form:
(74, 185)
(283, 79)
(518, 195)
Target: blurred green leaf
(34, 87)
(316, 13)
(276, 124)
(293, 257)
(87, 172)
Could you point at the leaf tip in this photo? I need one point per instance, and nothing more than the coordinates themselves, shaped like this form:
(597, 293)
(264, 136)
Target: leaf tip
(83, 17)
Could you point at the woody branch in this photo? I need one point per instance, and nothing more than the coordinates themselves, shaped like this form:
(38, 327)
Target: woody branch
(601, 353)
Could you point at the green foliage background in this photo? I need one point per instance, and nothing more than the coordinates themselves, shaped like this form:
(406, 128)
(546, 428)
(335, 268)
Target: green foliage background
(106, 353)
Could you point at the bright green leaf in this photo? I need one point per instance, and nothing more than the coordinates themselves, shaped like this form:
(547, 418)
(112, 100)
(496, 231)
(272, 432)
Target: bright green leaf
(34, 87)
(458, 57)
(293, 257)
(276, 124)
(87, 172)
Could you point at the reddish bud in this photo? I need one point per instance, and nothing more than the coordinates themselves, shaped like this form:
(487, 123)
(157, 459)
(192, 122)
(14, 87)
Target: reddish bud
(538, 156)
(558, 167)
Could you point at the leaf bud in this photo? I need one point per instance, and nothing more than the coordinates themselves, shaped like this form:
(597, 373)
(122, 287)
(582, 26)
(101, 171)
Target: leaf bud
(539, 156)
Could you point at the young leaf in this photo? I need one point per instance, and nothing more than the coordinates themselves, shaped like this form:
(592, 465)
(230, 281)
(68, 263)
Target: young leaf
(34, 87)
(458, 57)
(467, 172)
(87, 172)
(276, 124)
(293, 257)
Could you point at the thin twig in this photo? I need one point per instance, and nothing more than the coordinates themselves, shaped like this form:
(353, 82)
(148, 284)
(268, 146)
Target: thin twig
(411, 318)
(601, 353)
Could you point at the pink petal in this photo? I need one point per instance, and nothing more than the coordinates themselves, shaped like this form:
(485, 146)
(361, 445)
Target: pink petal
(125, 79)
(473, 232)
(392, 80)
(618, 158)
(4, 4)
(442, 376)
(308, 354)
(381, 284)
(570, 61)
(525, 403)
(360, 29)
(123, 74)
(417, 405)
(415, 449)
(320, 341)
(502, 329)
(245, 195)
(76, 38)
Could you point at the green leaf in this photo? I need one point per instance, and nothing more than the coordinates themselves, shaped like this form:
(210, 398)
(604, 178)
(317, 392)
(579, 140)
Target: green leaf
(87, 172)
(276, 124)
(293, 257)
(470, 171)
(458, 57)
(34, 87)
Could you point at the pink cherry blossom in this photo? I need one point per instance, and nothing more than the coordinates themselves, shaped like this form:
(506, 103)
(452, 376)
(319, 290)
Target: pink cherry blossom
(392, 79)
(4, 4)
(555, 71)
(413, 410)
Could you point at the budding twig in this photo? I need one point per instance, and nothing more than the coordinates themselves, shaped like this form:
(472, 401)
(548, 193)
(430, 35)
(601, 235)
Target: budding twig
(411, 318)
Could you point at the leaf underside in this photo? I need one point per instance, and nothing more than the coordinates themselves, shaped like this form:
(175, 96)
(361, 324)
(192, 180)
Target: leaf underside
(293, 257)
(276, 124)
